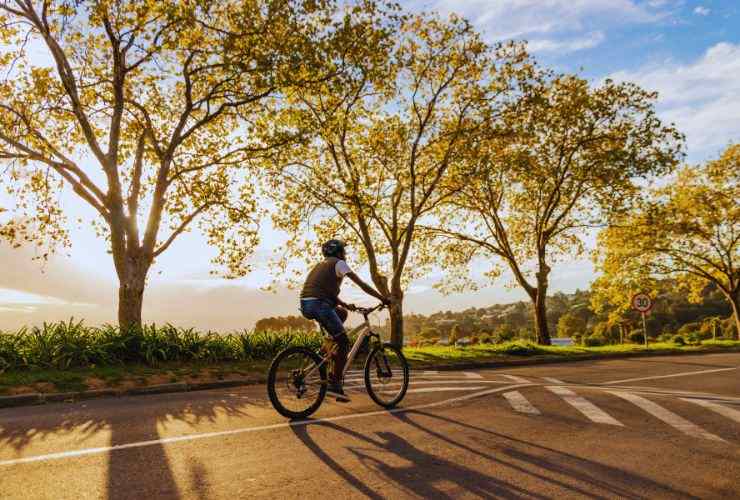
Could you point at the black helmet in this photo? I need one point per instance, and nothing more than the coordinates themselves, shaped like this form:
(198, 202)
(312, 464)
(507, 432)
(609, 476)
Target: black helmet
(333, 248)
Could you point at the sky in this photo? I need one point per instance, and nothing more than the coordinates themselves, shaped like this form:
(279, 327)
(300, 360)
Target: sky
(688, 51)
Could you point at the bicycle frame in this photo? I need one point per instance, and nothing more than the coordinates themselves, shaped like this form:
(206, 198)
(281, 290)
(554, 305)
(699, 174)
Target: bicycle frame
(366, 332)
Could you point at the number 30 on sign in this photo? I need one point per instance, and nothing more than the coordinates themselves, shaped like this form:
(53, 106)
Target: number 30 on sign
(641, 302)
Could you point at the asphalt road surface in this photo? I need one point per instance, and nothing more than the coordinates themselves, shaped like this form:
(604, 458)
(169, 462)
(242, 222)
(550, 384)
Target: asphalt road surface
(662, 427)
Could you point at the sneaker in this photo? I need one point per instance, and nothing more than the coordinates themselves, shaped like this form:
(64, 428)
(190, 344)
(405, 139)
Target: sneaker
(335, 390)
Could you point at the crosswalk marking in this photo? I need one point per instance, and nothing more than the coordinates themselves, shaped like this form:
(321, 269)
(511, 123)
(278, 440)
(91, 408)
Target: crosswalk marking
(584, 406)
(552, 380)
(473, 375)
(514, 378)
(667, 416)
(520, 403)
(730, 413)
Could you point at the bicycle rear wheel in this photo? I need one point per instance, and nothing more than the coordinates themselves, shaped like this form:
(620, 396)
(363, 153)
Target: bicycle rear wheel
(296, 382)
(386, 375)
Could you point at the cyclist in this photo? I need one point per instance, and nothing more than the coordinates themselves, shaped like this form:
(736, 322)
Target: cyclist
(320, 301)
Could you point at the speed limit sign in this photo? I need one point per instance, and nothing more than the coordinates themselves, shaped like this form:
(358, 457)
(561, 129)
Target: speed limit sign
(641, 302)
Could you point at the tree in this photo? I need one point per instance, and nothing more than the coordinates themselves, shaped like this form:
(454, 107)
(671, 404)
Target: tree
(688, 230)
(147, 112)
(570, 155)
(455, 334)
(385, 139)
(570, 325)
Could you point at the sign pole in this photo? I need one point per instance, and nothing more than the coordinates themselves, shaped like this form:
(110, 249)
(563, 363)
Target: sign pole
(642, 303)
(644, 330)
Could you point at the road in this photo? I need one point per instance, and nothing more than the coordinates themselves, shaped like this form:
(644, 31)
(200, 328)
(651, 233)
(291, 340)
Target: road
(661, 427)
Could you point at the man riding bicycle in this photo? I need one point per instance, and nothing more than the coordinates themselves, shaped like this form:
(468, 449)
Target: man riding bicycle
(320, 301)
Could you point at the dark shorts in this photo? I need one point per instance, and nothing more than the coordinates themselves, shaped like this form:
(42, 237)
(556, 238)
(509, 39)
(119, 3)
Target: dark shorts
(323, 311)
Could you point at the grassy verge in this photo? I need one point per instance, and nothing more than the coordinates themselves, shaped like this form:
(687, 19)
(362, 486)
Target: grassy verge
(128, 376)
(436, 355)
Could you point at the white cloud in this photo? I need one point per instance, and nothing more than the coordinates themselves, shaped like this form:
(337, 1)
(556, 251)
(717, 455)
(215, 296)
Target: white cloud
(500, 19)
(702, 97)
(702, 11)
(572, 45)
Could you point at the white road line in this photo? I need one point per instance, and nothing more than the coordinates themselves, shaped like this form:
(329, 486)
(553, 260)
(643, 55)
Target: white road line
(520, 403)
(667, 416)
(430, 372)
(518, 380)
(682, 374)
(281, 425)
(436, 382)
(437, 389)
(730, 413)
(552, 380)
(583, 405)
(473, 375)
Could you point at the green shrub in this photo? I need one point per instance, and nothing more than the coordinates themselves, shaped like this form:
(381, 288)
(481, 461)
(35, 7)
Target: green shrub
(636, 337)
(594, 341)
(520, 349)
(678, 340)
(74, 345)
(486, 339)
(688, 328)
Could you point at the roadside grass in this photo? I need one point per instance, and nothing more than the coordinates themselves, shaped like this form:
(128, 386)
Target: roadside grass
(512, 350)
(71, 357)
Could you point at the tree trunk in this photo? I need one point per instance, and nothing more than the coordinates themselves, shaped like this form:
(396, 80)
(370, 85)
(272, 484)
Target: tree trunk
(540, 307)
(735, 301)
(540, 317)
(396, 316)
(131, 296)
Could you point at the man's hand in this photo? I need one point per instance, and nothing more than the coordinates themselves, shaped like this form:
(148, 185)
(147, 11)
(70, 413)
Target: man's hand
(351, 307)
(386, 301)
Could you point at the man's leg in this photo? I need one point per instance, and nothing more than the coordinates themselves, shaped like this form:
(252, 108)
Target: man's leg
(339, 359)
(331, 321)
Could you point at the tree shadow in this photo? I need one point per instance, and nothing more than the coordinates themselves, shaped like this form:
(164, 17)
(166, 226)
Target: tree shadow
(137, 472)
(618, 483)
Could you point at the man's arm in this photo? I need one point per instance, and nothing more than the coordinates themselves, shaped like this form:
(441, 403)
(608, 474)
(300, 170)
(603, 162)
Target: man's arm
(367, 288)
(346, 305)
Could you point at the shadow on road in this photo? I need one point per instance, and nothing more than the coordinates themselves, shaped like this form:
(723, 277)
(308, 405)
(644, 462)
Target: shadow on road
(418, 472)
(142, 472)
(542, 462)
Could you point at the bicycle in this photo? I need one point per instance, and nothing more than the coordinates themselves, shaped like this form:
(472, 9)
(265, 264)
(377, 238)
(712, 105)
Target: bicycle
(301, 392)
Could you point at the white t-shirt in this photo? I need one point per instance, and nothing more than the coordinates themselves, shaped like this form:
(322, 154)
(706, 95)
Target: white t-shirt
(342, 269)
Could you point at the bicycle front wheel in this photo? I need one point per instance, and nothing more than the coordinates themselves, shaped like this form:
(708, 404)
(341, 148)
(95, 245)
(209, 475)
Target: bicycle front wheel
(296, 382)
(386, 375)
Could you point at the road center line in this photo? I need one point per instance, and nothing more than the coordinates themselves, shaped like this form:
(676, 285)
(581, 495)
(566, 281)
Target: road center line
(281, 425)
(682, 374)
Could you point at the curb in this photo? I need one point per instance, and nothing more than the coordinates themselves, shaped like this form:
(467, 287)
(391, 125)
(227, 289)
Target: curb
(57, 397)
(37, 398)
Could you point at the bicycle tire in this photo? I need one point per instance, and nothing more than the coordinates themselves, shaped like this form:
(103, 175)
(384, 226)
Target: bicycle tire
(405, 373)
(272, 379)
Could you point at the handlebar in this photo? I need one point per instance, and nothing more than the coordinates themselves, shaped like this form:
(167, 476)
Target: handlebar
(365, 311)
